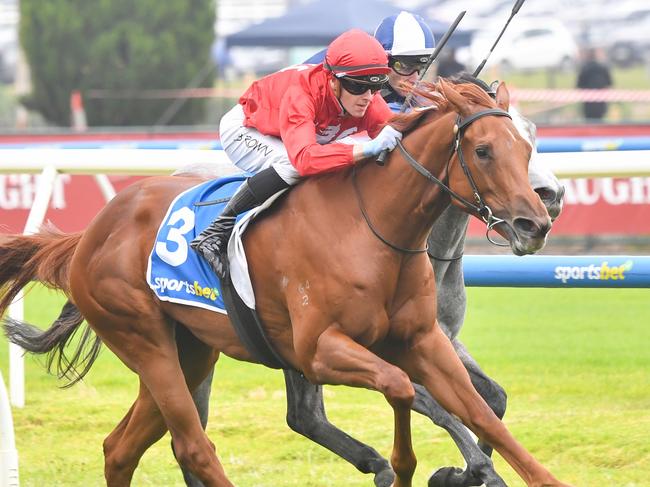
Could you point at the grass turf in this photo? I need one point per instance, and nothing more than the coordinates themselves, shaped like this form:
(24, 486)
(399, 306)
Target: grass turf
(575, 364)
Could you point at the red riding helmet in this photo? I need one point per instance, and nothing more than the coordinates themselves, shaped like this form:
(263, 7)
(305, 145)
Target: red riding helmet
(355, 53)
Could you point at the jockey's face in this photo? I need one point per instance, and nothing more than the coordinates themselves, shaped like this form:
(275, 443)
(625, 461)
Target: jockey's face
(395, 80)
(405, 69)
(355, 105)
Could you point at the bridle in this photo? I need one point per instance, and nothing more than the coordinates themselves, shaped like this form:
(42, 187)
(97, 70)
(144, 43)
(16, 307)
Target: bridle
(479, 207)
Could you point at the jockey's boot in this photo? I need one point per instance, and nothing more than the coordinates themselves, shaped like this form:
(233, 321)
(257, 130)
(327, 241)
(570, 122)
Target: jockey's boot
(212, 243)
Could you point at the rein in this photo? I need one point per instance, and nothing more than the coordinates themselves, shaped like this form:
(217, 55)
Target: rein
(483, 210)
(371, 226)
(479, 207)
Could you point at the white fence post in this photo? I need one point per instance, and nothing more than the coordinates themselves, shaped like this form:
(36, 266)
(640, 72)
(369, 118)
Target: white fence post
(8, 452)
(36, 216)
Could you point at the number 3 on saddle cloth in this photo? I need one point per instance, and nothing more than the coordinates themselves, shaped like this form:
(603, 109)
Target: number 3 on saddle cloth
(176, 273)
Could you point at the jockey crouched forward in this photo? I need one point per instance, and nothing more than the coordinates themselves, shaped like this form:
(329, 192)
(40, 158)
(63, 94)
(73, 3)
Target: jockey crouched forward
(286, 125)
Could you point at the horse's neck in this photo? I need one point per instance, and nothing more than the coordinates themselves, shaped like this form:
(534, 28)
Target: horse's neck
(404, 201)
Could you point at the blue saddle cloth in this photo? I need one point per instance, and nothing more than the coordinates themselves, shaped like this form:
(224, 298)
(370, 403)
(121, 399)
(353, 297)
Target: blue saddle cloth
(177, 273)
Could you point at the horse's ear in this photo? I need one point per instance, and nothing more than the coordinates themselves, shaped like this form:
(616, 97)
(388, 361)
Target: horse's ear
(503, 97)
(459, 102)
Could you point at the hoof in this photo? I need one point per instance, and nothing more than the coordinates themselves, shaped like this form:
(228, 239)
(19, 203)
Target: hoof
(385, 478)
(456, 477)
(448, 477)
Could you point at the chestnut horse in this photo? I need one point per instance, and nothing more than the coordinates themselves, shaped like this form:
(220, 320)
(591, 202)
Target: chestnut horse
(346, 292)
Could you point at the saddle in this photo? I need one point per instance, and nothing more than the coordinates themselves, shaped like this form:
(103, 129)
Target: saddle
(178, 274)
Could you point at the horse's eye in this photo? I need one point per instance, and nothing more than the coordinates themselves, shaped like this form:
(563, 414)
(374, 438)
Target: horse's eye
(482, 152)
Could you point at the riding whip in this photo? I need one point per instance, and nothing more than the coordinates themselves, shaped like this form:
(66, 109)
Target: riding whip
(515, 9)
(432, 57)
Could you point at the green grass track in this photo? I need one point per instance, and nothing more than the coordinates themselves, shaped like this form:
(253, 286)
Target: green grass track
(575, 364)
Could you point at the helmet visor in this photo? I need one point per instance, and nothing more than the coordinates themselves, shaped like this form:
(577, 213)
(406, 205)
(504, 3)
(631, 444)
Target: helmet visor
(407, 66)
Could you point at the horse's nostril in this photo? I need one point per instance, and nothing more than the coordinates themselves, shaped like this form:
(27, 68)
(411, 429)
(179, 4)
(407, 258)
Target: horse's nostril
(546, 194)
(550, 195)
(524, 225)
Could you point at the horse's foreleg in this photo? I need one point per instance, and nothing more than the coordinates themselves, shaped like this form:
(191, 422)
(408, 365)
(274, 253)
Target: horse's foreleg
(340, 360)
(433, 362)
(306, 415)
(479, 466)
(480, 469)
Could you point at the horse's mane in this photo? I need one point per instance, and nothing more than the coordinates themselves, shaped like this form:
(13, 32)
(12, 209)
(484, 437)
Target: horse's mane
(432, 102)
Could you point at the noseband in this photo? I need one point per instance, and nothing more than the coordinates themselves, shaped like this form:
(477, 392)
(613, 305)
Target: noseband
(479, 207)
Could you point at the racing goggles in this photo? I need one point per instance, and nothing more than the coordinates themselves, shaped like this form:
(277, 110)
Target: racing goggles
(358, 85)
(407, 66)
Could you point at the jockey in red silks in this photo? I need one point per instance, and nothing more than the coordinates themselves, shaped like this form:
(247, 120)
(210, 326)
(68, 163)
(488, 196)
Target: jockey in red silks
(286, 126)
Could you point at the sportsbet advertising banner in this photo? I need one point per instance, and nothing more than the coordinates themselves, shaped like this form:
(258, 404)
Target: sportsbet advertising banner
(556, 271)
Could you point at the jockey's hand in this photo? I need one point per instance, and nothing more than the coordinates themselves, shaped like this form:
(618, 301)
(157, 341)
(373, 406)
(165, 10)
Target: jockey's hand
(385, 140)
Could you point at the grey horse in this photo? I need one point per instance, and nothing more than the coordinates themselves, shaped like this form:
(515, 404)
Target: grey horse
(305, 407)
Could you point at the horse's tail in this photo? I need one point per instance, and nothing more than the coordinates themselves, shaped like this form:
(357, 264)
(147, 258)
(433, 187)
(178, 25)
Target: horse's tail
(54, 340)
(45, 257)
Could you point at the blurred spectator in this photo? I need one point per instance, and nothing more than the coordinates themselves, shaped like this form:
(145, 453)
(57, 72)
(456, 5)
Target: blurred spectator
(594, 74)
(448, 65)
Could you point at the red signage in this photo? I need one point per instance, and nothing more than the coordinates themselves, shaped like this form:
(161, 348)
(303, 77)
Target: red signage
(592, 206)
(75, 200)
(604, 206)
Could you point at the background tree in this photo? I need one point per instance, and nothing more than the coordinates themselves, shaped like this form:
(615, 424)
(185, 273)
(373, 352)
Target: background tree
(117, 45)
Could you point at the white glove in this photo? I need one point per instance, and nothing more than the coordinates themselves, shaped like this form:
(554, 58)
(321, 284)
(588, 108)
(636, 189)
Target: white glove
(385, 140)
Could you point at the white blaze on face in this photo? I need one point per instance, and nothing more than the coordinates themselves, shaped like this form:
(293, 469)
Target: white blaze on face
(540, 176)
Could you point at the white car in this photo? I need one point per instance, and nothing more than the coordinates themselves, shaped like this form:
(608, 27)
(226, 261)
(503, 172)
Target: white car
(626, 40)
(528, 44)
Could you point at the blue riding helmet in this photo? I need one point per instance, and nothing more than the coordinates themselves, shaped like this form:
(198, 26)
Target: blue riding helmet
(405, 34)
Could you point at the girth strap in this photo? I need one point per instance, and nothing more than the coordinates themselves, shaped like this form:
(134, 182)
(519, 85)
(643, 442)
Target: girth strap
(248, 326)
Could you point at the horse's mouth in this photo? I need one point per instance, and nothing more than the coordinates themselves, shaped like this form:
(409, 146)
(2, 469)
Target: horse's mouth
(520, 250)
(522, 241)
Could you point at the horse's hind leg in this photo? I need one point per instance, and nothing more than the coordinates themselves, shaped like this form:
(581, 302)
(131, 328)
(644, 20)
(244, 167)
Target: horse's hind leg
(144, 425)
(164, 379)
(480, 469)
(139, 429)
(197, 359)
(306, 415)
(201, 398)
(145, 341)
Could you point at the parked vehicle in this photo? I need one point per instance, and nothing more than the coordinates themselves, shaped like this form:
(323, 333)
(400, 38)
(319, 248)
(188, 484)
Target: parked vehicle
(627, 42)
(528, 44)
